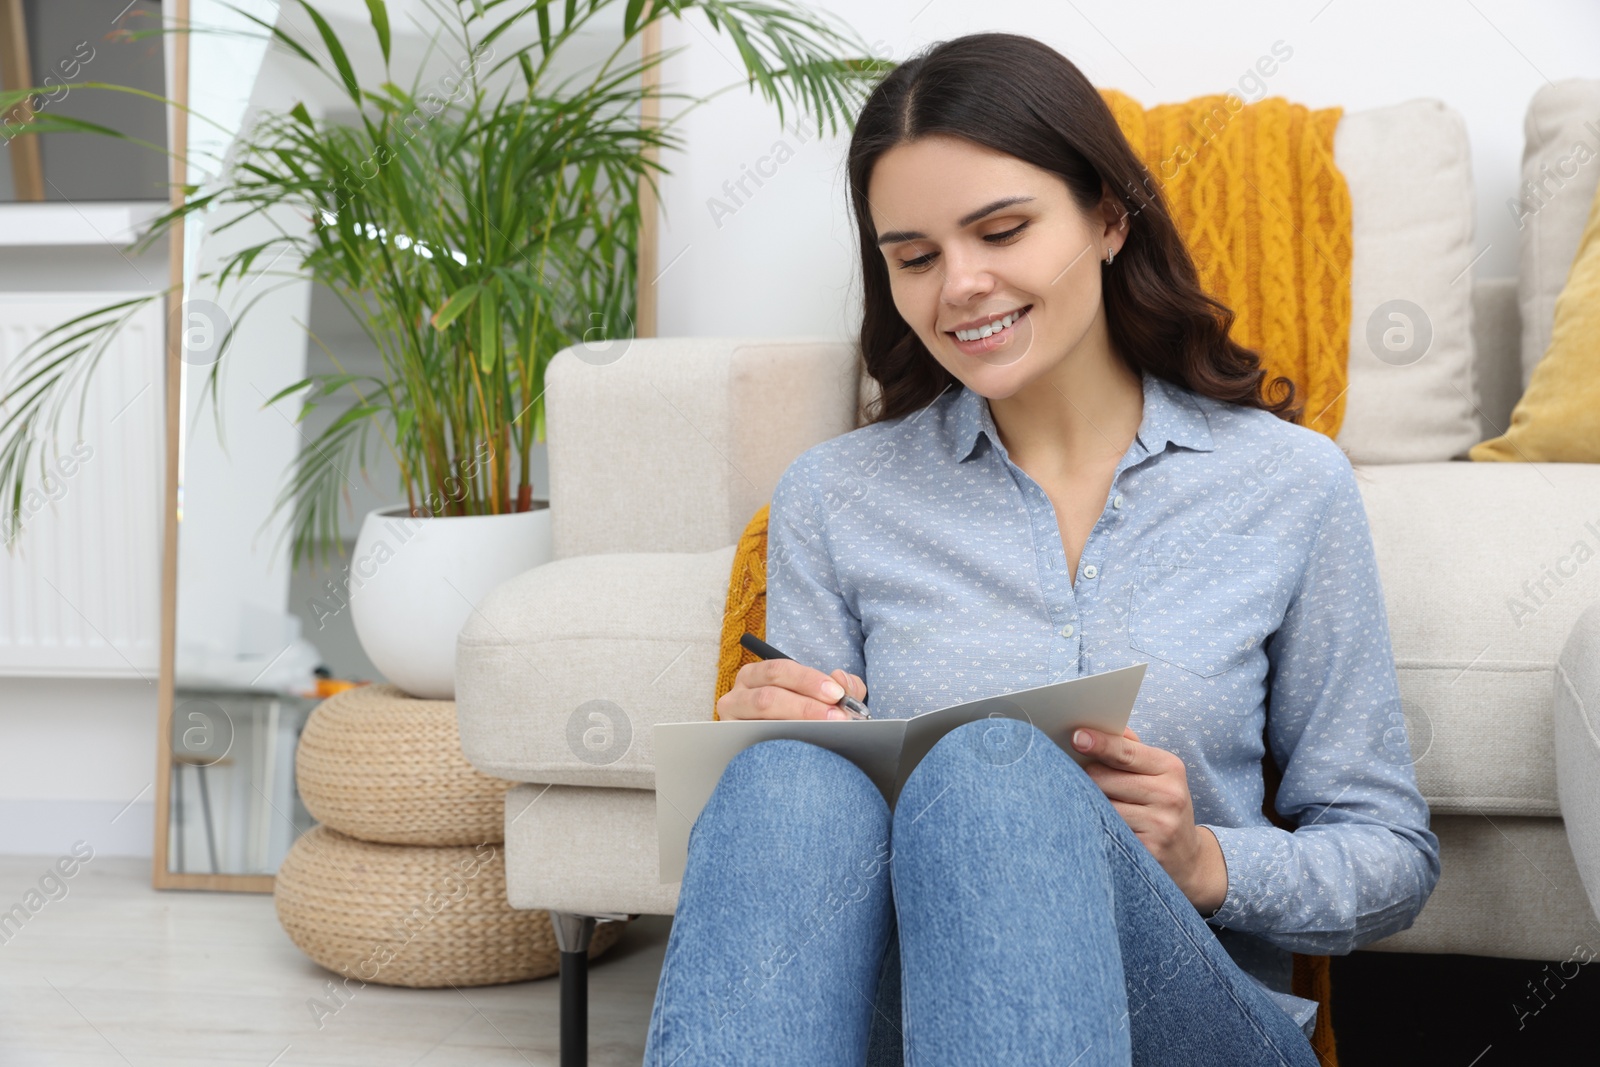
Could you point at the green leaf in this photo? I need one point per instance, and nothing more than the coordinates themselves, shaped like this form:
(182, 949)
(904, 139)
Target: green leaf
(336, 51)
(278, 35)
(459, 301)
(488, 334)
(630, 17)
(303, 117)
(380, 25)
(357, 411)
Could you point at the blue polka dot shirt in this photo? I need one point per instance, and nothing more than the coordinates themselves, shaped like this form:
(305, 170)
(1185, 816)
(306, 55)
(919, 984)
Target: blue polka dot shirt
(1233, 556)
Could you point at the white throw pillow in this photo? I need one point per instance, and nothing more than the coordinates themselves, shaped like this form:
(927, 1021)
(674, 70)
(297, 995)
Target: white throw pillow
(1560, 169)
(1411, 392)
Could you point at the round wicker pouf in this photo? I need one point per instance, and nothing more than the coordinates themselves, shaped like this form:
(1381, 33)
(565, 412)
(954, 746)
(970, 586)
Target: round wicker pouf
(380, 765)
(405, 915)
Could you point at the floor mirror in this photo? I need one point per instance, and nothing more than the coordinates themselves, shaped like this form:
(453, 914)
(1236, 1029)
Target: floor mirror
(252, 642)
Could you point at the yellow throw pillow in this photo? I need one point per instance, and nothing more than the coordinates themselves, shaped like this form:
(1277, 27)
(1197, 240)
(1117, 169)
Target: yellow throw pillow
(1558, 418)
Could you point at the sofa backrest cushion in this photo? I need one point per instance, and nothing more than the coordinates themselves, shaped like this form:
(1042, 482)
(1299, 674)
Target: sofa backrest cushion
(1560, 171)
(1412, 388)
(670, 444)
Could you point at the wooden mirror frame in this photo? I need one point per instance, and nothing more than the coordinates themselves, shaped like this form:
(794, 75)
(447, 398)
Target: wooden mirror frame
(644, 326)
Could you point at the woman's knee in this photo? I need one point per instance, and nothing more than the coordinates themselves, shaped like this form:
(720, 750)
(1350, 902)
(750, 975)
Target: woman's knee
(793, 799)
(796, 778)
(1004, 755)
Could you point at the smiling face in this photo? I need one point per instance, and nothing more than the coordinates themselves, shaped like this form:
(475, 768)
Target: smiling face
(972, 236)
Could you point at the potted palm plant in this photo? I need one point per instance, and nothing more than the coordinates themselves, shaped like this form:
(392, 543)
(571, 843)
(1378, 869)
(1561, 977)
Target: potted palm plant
(472, 234)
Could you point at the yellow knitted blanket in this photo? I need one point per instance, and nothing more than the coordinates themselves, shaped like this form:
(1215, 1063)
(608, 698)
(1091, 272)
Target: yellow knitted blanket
(746, 608)
(1266, 216)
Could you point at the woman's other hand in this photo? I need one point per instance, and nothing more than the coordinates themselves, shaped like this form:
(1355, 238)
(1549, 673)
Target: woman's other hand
(1149, 787)
(784, 689)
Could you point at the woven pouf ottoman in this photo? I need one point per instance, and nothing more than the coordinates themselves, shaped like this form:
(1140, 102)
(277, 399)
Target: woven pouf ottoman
(377, 764)
(403, 883)
(410, 915)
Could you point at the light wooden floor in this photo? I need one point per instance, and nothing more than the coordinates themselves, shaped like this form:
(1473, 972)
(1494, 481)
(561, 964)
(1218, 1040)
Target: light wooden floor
(116, 973)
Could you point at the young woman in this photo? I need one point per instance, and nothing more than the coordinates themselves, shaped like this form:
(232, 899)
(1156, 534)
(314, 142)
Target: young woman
(1072, 469)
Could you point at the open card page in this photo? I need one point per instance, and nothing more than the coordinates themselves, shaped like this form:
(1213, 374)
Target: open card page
(691, 756)
(1099, 701)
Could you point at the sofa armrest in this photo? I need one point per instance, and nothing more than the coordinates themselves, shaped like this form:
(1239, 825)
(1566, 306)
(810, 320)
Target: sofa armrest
(671, 444)
(562, 671)
(1577, 733)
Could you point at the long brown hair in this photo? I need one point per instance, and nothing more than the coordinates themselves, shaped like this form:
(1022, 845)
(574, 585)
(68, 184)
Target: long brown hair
(1019, 96)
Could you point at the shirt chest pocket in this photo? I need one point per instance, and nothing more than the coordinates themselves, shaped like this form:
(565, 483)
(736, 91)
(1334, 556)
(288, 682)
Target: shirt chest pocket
(1206, 606)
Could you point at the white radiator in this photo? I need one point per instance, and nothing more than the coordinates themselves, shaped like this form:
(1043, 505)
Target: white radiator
(80, 587)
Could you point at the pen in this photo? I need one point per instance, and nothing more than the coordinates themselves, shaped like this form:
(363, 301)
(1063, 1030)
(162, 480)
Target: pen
(853, 707)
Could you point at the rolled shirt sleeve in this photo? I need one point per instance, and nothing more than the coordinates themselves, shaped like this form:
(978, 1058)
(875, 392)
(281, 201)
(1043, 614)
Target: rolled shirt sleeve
(1361, 862)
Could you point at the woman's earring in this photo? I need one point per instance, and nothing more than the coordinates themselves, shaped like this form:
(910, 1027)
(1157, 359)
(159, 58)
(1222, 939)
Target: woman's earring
(1111, 253)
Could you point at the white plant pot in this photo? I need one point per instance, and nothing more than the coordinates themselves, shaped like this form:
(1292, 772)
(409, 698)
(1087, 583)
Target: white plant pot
(414, 584)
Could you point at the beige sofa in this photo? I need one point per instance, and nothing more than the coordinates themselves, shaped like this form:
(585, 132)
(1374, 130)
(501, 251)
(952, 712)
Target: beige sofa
(660, 454)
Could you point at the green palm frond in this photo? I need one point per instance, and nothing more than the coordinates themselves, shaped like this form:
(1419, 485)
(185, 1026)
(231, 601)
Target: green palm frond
(472, 236)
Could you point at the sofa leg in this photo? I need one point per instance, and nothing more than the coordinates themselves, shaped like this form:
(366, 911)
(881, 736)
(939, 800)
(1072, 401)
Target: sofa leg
(573, 932)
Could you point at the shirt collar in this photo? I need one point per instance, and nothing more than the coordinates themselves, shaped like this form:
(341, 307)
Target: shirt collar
(1170, 415)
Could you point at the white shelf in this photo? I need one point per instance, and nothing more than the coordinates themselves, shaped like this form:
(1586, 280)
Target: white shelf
(99, 223)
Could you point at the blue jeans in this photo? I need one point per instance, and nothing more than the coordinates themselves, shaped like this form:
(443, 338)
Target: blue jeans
(1015, 919)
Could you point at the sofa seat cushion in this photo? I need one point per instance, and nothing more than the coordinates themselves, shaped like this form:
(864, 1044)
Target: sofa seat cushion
(594, 850)
(1507, 888)
(562, 671)
(582, 849)
(1485, 568)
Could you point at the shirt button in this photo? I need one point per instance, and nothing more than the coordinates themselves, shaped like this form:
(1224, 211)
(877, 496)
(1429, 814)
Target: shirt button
(1090, 571)
(1116, 501)
(1066, 631)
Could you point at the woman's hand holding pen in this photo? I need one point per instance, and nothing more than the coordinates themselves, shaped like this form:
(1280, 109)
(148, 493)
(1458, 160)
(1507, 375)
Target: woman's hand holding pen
(1149, 787)
(784, 689)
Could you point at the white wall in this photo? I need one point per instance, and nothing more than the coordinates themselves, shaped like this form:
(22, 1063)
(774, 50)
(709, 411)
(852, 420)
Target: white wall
(77, 762)
(784, 262)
